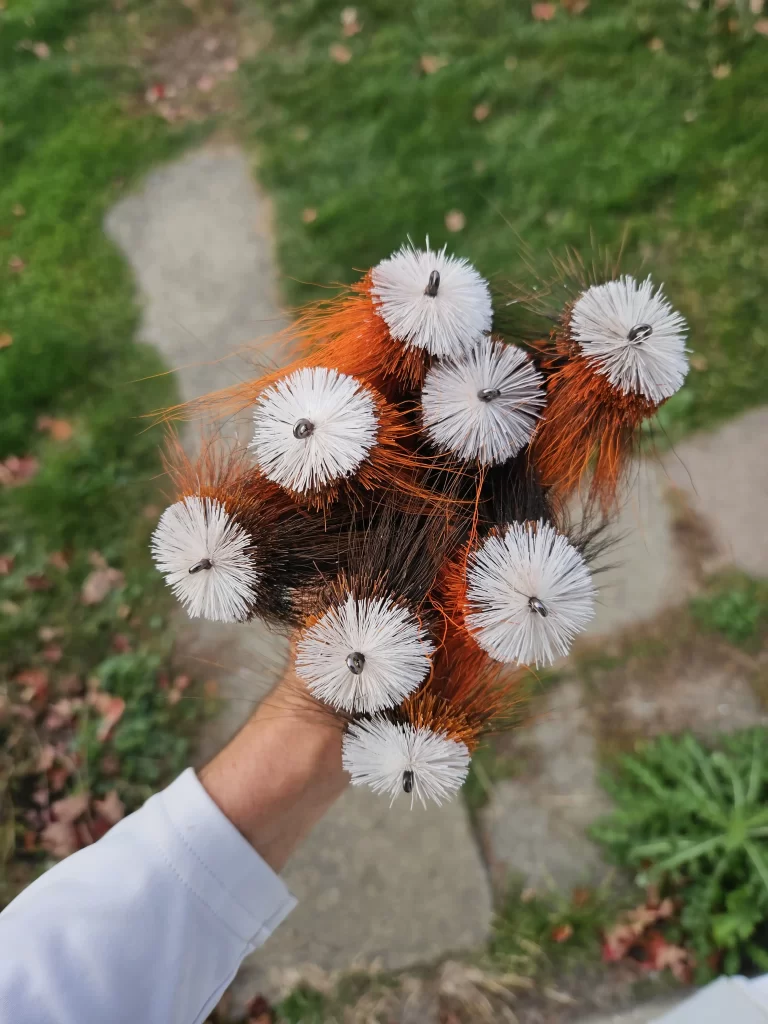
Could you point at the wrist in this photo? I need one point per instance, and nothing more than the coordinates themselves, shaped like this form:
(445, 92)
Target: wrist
(280, 774)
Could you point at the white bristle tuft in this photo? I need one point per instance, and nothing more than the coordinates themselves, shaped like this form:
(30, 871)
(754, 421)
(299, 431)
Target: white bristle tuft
(484, 406)
(200, 529)
(447, 323)
(378, 753)
(338, 416)
(633, 336)
(530, 592)
(395, 655)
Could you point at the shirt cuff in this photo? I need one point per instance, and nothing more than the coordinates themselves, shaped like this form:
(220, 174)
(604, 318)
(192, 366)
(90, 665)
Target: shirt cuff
(214, 860)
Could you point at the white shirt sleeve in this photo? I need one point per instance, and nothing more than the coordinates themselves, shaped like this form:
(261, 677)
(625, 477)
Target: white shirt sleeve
(147, 925)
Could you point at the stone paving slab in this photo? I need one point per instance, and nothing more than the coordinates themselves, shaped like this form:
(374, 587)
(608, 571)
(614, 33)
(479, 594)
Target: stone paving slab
(396, 886)
(724, 475)
(643, 571)
(535, 824)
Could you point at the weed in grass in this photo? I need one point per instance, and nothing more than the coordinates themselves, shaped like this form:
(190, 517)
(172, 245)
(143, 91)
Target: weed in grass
(734, 606)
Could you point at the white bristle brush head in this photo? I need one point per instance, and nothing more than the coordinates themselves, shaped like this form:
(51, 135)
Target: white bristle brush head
(633, 336)
(485, 406)
(313, 428)
(364, 655)
(529, 592)
(206, 558)
(432, 301)
(395, 758)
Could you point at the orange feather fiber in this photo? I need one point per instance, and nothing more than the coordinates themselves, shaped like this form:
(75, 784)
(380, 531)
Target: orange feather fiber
(467, 695)
(602, 383)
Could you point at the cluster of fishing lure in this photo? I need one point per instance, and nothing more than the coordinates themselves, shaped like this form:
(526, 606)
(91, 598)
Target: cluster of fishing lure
(401, 505)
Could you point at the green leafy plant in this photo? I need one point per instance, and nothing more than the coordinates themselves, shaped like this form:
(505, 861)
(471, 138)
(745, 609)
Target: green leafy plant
(694, 820)
(736, 607)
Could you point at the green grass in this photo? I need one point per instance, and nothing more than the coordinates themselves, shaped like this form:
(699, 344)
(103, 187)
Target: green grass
(68, 150)
(736, 607)
(590, 134)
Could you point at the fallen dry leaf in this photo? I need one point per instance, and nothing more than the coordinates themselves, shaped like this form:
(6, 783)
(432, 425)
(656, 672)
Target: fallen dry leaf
(431, 64)
(46, 757)
(455, 220)
(6, 564)
(721, 71)
(562, 933)
(575, 6)
(481, 111)
(111, 808)
(230, 65)
(58, 560)
(112, 713)
(60, 839)
(15, 470)
(34, 681)
(99, 583)
(53, 653)
(340, 53)
(41, 50)
(48, 633)
(543, 12)
(121, 644)
(309, 215)
(37, 582)
(16, 264)
(206, 83)
(761, 26)
(6, 340)
(18, 210)
(756, 6)
(69, 809)
(350, 26)
(97, 560)
(656, 45)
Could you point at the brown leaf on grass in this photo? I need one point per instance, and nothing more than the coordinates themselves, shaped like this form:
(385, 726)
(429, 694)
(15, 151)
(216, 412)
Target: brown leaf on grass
(112, 711)
(70, 808)
(60, 839)
(53, 653)
(46, 757)
(121, 643)
(340, 53)
(34, 682)
(259, 1011)
(97, 560)
(16, 264)
(575, 6)
(309, 215)
(6, 564)
(721, 71)
(48, 633)
(662, 954)
(430, 63)
(99, 583)
(59, 561)
(6, 340)
(544, 12)
(656, 45)
(18, 210)
(350, 26)
(60, 714)
(59, 430)
(41, 50)
(15, 471)
(206, 83)
(111, 808)
(481, 111)
(562, 933)
(455, 220)
(37, 582)
(761, 26)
